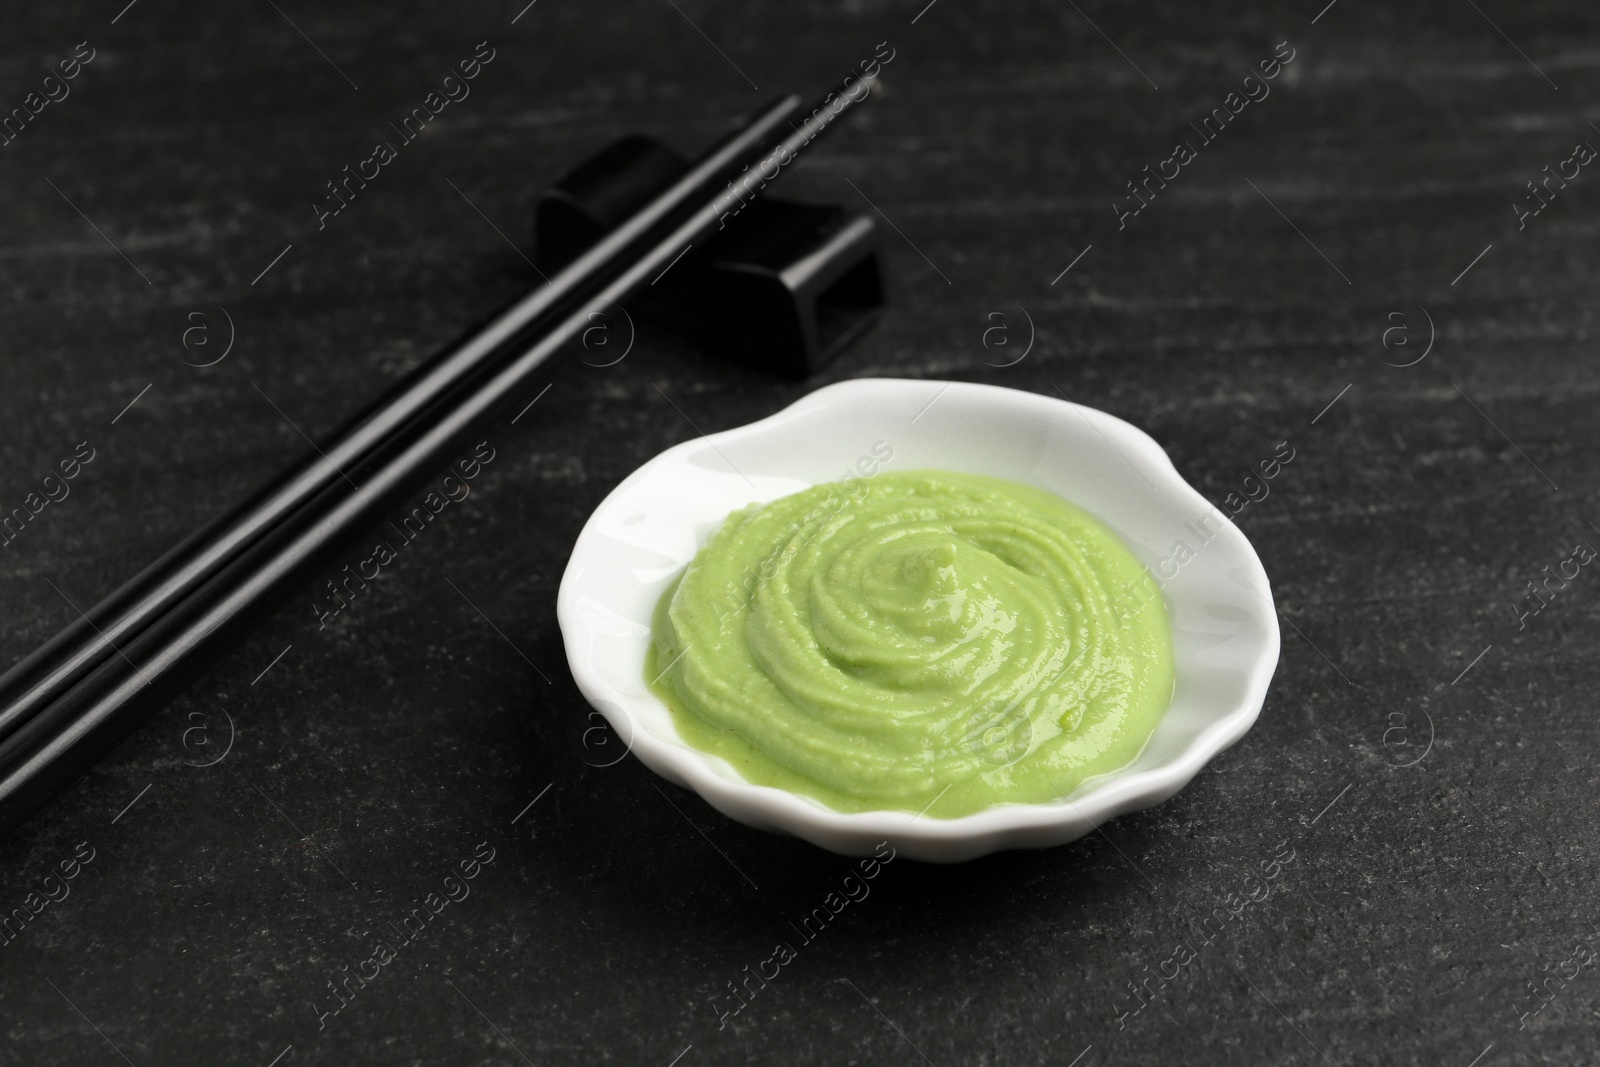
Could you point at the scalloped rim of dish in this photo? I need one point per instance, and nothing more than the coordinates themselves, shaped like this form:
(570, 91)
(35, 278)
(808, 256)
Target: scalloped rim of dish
(596, 622)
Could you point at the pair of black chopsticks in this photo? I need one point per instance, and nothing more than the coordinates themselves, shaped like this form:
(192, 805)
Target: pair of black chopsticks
(74, 697)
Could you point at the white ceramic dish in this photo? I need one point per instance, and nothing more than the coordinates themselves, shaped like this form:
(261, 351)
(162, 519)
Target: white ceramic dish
(1225, 628)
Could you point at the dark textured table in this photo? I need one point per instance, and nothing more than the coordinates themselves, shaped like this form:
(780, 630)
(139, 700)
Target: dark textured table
(1396, 865)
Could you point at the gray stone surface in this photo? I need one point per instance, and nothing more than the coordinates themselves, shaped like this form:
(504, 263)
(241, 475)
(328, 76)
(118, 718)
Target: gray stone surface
(1253, 292)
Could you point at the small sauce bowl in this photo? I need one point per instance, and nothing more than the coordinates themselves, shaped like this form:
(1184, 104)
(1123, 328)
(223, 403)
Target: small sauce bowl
(1224, 625)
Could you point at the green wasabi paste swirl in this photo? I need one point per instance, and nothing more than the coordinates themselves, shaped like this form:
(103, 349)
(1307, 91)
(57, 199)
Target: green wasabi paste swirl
(924, 640)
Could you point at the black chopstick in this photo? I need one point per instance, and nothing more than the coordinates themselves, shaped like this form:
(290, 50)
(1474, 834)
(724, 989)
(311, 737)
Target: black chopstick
(48, 748)
(67, 658)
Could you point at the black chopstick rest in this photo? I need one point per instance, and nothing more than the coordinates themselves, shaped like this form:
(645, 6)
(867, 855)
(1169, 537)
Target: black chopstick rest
(784, 287)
